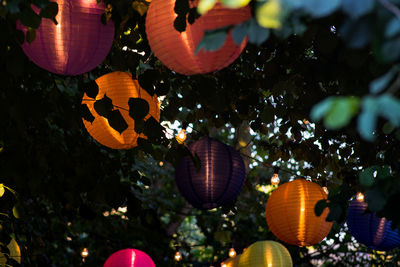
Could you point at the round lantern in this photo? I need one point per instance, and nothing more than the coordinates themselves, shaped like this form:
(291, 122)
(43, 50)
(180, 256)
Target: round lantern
(77, 44)
(290, 213)
(129, 258)
(219, 179)
(15, 253)
(177, 50)
(368, 229)
(232, 262)
(266, 253)
(119, 87)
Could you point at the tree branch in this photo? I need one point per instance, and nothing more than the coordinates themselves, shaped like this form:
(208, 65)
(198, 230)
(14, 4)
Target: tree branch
(391, 7)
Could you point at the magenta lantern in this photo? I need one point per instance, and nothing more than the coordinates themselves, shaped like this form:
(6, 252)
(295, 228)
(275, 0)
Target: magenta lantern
(129, 258)
(77, 44)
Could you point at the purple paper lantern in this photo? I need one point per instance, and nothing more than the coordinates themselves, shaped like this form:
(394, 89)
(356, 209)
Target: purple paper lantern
(374, 232)
(77, 44)
(129, 258)
(218, 181)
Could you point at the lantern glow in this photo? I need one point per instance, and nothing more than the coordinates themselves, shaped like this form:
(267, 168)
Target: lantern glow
(266, 253)
(129, 258)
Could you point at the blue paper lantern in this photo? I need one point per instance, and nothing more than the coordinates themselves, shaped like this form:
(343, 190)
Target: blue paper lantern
(368, 229)
(218, 181)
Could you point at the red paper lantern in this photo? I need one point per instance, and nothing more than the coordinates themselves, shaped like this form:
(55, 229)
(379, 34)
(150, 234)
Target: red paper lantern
(77, 44)
(129, 258)
(176, 50)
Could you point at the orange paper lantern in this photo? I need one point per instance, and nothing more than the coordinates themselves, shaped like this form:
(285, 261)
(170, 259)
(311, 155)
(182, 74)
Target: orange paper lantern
(290, 213)
(177, 50)
(119, 87)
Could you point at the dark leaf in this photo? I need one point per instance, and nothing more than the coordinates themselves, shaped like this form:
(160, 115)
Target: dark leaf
(146, 81)
(50, 11)
(29, 18)
(335, 212)
(30, 35)
(145, 145)
(320, 206)
(86, 114)
(116, 121)
(213, 40)
(104, 106)
(138, 108)
(180, 23)
(181, 7)
(239, 33)
(153, 130)
(161, 89)
(257, 34)
(193, 15)
(91, 89)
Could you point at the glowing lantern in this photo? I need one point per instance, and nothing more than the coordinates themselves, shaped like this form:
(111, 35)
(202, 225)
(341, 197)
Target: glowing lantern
(266, 253)
(119, 87)
(177, 50)
(77, 44)
(15, 253)
(368, 229)
(290, 213)
(231, 262)
(129, 258)
(219, 179)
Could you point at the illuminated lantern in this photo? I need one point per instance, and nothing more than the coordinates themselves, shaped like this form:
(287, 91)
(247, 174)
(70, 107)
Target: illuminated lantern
(219, 179)
(77, 44)
(15, 253)
(290, 213)
(368, 229)
(177, 50)
(232, 262)
(266, 253)
(129, 258)
(119, 87)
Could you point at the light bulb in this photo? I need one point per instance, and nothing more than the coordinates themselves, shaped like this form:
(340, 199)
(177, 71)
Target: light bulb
(181, 136)
(360, 197)
(325, 190)
(275, 179)
(84, 254)
(232, 252)
(223, 265)
(177, 256)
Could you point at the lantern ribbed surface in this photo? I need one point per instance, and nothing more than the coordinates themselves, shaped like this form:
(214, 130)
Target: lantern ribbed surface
(119, 86)
(266, 253)
(290, 213)
(176, 50)
(368, 229)
(129, 258)
(220, 178)
(77, 44)
(15, 253)
(231, 262)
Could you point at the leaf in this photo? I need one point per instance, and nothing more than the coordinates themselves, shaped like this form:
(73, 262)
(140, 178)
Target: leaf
(375, 199)
(367, 124)
(86, 114)
(50, 11)
(356, 8)
(388, 128)
(222, 236)
(390, 50)
(29, 18)
(30, 35)
(205, 5)
(257, 34)
(341, 112)
(181, 7)
(138, 108)
(335, 212)
(2, 190)
(193, 15)
(321, 8)
(319, 110)
(213, 40)
(392, 28)
(357, 33)
(235, 3)
(389, 108)
(17, 211)
(140, 6)
(196, 161)
(320, 207)
(146, 81)
(267, 115)
(117, 122)
(379, 84)
(91, 89)
(103, 106)
(180, 23)
(153, 130)
(366, 177)
(239, 32)
(269, 14)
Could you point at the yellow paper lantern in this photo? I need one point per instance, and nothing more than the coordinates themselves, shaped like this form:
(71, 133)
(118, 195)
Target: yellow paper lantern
(15, 253)
(290, 213)
(119, 87)
(231, 262)
(266, 254)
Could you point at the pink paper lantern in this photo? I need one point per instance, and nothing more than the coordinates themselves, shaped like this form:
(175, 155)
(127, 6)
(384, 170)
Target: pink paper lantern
(129, 258)
(77, 44)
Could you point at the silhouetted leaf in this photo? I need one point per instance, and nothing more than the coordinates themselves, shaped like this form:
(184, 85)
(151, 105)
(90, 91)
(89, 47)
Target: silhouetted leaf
(50, 11)
(193, 15)
(29, 18)
(116, 121)
(146, 81)
(86, 114)
(212, 40)
(104, 106)
(153, 130)
(181, 7)
(91, 89)
(180, 23)
(138, 108)
(320, 207)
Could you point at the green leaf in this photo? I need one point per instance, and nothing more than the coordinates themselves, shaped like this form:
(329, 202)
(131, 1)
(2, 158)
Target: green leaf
(379, 84)
(366, 177)
(104, 106)
(257, 34)
(213, 40)
(29, 18)
(389, 108)
(50, 11)
(86, 114)
(2, 190)
(239, 32)
(392, 28)
(367, 124)
(321, 8)
(138, 108)
(357, 8)
(116, 121)
(341, 112)
(321, 109)
(375, 199)
(388, 128)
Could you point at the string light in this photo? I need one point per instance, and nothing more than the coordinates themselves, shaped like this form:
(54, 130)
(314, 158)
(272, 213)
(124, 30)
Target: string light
(223, 265)
(275, 177)
(181, 136)
(177, 256)
(360, 197)
(84, 253)
(232, 253)
(325, 190)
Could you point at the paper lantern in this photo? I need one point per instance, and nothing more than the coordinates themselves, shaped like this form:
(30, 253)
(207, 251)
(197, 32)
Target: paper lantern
(119, 86)
(232, 262)
(368, 229)
(266, 253)
(219, 179)
(77, 44)
(290, 213)
(129, 258)
(15, 253)
(177, 50)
